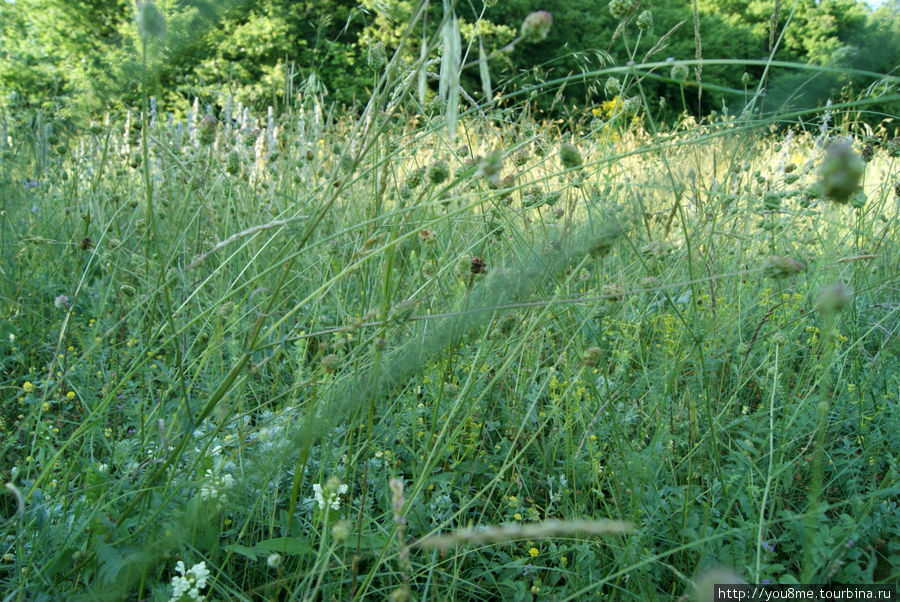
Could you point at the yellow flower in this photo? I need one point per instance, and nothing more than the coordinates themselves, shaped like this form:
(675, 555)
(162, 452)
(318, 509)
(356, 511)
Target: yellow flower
(28, 387)
(70, 395)
(517, 516)
(533, 552)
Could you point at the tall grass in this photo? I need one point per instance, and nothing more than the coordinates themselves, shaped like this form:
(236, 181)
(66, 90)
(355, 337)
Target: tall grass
(446, 354)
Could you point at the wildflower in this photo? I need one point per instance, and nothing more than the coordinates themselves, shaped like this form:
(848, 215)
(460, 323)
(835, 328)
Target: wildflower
(536, 26)
(188, 583)
(533, 552)
(645, 20)
(28, 387)
(274, 560)
(330, 495)
(61, 302)
(215, 488)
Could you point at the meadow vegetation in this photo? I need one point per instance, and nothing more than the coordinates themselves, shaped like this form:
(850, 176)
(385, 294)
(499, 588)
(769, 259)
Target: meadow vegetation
(444, 349)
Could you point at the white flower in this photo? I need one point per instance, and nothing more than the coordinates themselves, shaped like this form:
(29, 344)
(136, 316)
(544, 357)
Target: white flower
(274, 560)
(330, 495)
(189, 582)
(215, 488)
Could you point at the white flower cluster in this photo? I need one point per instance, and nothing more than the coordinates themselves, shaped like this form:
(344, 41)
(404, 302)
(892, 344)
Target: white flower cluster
(215, 487)
(188, 583)
(331, 497)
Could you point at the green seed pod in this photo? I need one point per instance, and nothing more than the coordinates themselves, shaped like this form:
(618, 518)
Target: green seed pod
(569, 156)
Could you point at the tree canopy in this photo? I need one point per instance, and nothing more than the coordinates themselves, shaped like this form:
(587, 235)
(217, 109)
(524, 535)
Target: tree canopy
(86, 56)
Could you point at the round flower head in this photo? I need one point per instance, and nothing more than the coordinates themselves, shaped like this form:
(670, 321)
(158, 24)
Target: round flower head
(377, 58)
(613, 86)
(680, 72)
(645, 20)
(438, 172)
(620, 8)
(536, 26)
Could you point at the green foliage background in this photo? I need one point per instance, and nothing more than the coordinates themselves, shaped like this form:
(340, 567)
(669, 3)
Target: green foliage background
(83, 57)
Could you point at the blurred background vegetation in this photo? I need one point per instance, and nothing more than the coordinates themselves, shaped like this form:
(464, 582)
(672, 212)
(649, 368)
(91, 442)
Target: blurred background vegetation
(81, 58)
